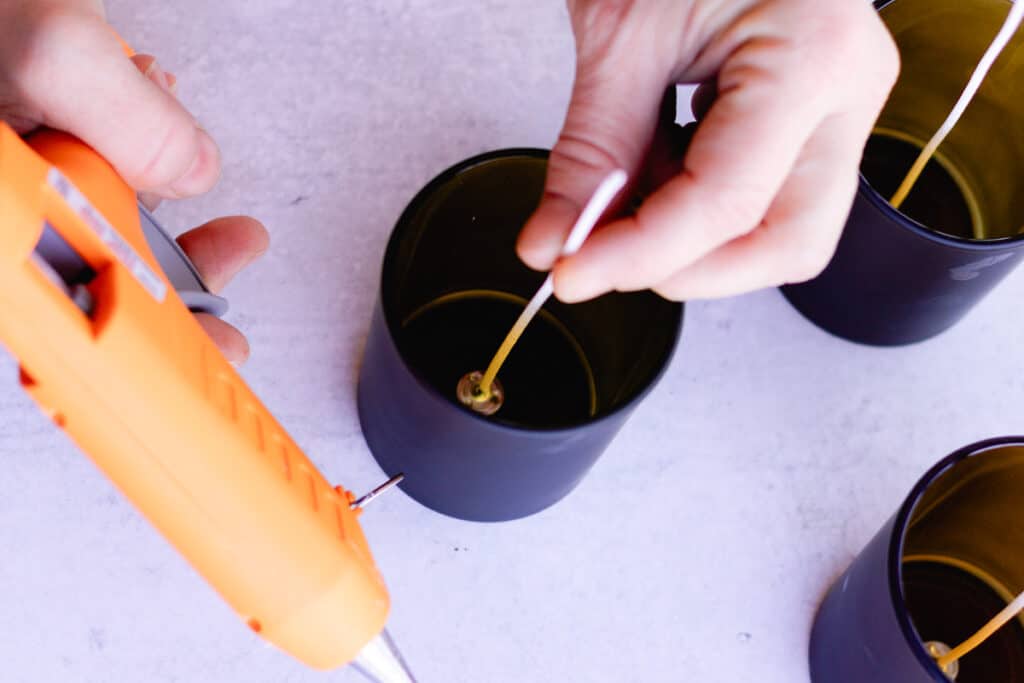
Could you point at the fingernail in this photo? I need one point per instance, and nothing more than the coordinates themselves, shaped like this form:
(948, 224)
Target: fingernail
(541, 239)
(149, 200)
(172, 83)
(567, 294)
(154, 73)
(537, 258)
(204, 171)
(237, 356)
(573, 287)
(539, 250)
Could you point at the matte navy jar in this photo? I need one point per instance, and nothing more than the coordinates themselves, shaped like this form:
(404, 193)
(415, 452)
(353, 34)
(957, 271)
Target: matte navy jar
(457, 236)
(899, 277)
(893, 282)
(917, 582)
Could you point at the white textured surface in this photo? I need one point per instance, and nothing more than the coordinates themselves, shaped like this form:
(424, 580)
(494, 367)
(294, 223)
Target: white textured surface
(698, 547)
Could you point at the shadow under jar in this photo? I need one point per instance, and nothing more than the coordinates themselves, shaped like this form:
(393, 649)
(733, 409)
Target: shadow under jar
(949, 561)
(451, 288)
(902, 276)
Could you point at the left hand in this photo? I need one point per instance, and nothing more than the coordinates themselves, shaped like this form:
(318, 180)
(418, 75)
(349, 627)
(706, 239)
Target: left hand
(62, 67)
(219, 250)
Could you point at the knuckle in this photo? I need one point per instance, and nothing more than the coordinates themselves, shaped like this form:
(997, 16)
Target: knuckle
(834, 53)
(64, 30)
(837, 36)
(632, 277)
(644, 230)
(51, 38)
(575, 152)
(170, 150)
(887, 58)
(735, 217)
(805, 262)
(641, 264)
(856, 36)
(668, 292)
(596, 24)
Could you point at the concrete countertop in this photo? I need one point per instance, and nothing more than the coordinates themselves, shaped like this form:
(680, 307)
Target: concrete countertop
(698, 547)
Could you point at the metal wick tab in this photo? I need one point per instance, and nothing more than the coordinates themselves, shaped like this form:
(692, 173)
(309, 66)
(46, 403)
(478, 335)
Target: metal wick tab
(472, 395)
(938, 649)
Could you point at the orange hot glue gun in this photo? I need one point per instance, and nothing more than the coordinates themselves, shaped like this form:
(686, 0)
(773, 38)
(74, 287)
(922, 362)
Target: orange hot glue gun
(113, 355)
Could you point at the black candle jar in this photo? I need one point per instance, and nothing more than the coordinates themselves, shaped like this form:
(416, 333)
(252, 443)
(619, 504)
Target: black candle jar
(948, 561)
(451, 287)
(902, 276)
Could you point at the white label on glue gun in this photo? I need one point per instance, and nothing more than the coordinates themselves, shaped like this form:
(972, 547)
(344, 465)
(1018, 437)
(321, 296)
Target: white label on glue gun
(123, 251)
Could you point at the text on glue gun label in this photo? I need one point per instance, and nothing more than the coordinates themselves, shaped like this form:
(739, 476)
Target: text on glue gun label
(123, 251)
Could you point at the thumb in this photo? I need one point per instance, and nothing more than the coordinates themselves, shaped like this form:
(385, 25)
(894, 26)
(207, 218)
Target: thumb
(80, 79)
(611, 120)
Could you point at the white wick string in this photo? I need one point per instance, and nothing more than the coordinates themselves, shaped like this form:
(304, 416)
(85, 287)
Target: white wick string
(592, 212)
(1002, 39)
(983, 634)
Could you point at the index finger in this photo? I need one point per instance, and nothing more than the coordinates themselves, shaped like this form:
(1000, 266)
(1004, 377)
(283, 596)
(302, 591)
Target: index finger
(221, 248)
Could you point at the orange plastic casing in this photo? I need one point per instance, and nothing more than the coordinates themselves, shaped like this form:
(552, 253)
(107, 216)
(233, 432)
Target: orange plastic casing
(142, 390)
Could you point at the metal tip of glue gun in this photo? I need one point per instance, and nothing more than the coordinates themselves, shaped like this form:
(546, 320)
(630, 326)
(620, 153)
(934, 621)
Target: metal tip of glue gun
(381, 662)
(365, 500)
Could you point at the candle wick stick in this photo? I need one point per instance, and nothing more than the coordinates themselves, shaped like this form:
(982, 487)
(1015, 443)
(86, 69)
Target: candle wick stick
(983, 634)
(513, 335)
(592, 212)
(1002, 39)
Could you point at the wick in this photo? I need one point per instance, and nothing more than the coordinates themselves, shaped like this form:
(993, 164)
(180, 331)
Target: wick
(1002, 39)
(592, 212)
(984, 633)
(484, 388)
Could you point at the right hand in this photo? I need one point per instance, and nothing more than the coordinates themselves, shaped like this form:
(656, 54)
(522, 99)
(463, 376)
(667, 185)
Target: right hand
(62, 67)
(791, 91)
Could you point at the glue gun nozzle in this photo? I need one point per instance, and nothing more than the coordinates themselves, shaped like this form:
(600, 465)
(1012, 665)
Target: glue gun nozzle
(381, 662)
